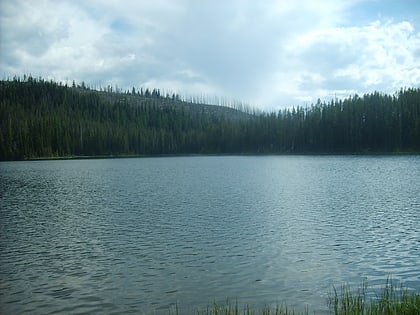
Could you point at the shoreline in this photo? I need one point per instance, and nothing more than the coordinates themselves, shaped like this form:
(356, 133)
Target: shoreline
(129, 156)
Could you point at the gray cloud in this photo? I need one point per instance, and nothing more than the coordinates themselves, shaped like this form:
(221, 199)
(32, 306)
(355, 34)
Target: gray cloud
(270, 53)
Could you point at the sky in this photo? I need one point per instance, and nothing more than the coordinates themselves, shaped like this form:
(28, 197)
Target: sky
(269, 54)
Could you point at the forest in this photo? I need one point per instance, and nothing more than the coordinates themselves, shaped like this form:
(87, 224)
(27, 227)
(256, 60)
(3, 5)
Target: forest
(46, 119)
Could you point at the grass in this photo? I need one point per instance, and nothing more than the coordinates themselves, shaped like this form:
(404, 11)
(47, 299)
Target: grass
(391, 300)
(229, 309)
(235, 309)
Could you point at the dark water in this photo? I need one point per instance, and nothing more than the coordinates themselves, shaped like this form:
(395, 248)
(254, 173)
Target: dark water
(139, 235)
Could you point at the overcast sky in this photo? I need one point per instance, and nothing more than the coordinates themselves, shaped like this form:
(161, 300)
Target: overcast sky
(270, 54)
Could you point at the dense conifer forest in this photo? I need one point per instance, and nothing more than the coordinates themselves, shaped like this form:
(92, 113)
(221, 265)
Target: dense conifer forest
(40, 118)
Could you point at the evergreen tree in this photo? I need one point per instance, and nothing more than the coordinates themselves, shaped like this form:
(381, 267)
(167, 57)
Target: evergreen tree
(42, 119)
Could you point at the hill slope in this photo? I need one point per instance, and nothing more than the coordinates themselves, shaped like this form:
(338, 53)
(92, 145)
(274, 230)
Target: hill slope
(46, 119)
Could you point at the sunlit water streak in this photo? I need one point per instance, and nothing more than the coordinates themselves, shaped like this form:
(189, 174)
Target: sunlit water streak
(139, 235)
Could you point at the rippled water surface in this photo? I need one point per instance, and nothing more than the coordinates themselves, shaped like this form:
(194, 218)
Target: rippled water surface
(140, 235)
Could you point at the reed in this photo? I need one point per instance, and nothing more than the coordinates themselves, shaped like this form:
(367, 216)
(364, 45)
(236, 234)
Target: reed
(392, 299)
(235, 309)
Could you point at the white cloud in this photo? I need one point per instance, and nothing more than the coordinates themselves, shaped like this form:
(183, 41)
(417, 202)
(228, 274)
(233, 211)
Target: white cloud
(379, 56)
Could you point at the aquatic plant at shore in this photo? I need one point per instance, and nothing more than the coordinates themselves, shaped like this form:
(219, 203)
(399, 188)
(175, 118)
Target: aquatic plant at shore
(392, 299)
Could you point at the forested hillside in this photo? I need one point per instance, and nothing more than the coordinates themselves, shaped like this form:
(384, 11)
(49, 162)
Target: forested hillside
(46, 119)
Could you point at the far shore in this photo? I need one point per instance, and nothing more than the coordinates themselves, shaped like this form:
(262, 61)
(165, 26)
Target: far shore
(126, 156)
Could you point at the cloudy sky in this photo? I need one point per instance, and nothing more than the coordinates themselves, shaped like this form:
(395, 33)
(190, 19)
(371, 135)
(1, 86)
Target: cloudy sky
(270, 54)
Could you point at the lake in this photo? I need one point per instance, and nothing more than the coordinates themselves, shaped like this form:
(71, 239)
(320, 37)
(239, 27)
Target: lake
(141, 235)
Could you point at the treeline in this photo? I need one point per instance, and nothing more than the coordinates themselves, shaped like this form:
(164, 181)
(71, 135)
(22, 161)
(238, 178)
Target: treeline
(47, 119)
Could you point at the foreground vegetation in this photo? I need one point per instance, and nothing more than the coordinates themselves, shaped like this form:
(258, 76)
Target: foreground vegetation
(392, 300)
(46, 119)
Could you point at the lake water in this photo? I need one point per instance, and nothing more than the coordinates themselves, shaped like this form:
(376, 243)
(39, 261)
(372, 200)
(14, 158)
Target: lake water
(140, 235)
